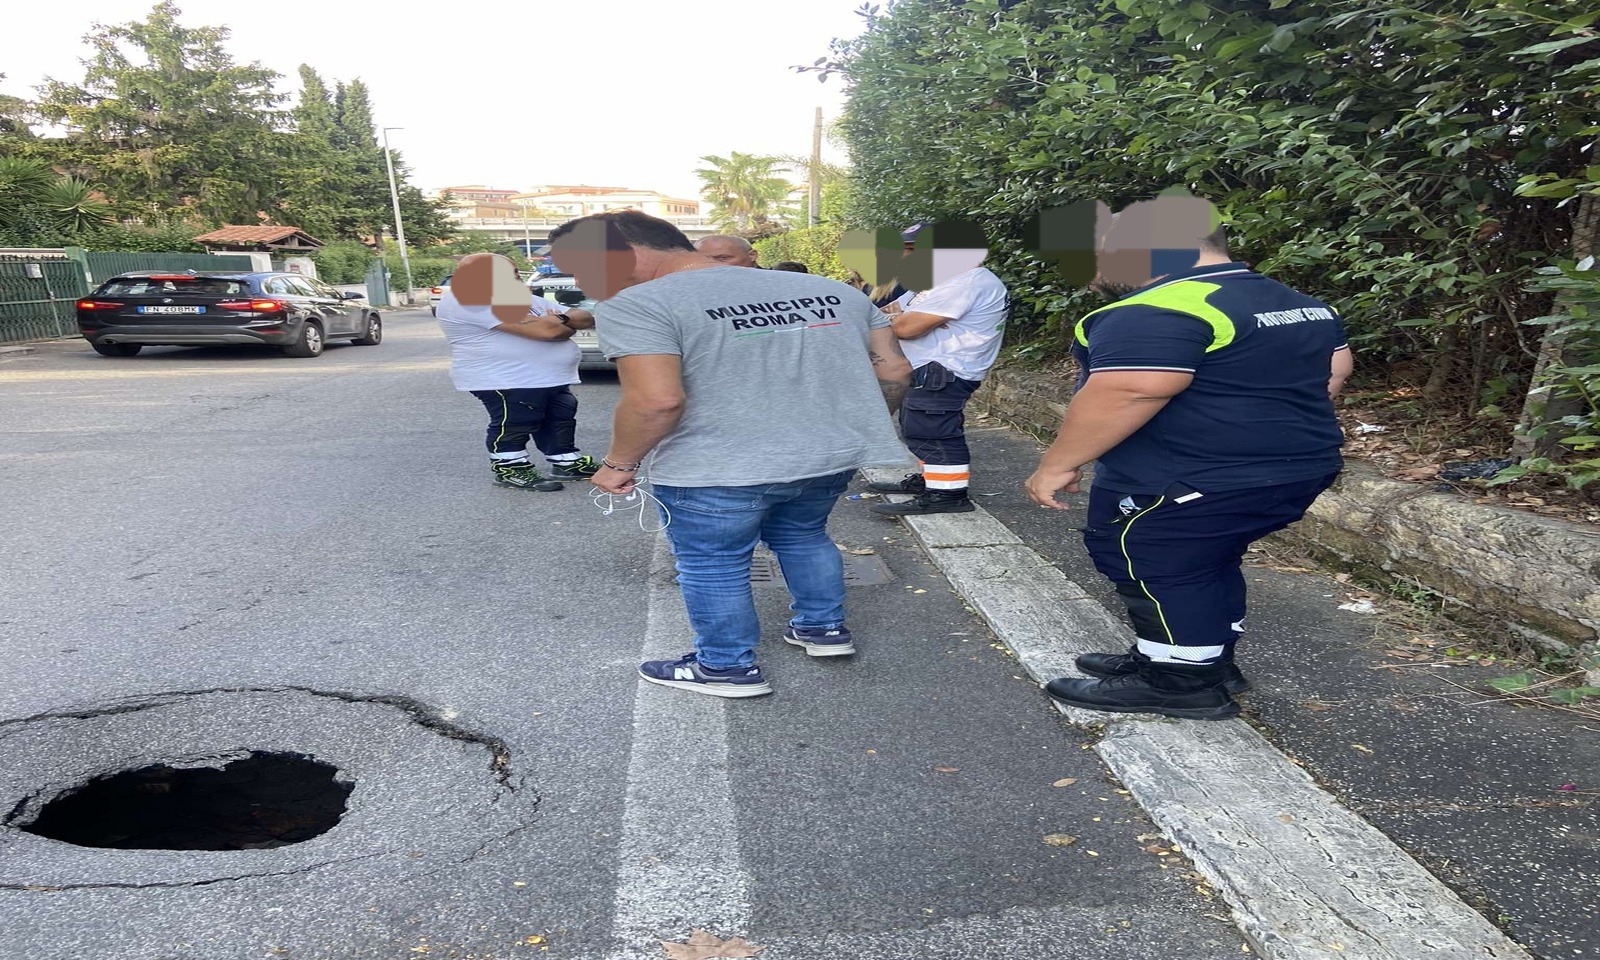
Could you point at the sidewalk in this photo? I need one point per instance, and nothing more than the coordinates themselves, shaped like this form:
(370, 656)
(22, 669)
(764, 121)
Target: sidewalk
(1468, 785)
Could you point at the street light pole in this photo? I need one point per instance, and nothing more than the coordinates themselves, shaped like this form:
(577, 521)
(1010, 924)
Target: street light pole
(399, 228)
(527, 240)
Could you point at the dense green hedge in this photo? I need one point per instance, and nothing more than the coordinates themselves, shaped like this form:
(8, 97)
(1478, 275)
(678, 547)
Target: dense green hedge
(1415, 164)
(816, 247)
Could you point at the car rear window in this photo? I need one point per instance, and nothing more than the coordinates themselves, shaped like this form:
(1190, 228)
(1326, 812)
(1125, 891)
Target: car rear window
(151, 287)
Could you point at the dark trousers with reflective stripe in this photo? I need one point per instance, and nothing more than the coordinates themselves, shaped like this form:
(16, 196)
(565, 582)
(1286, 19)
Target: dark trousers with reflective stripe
(1178, 566)
(546, 415)
(933, 419)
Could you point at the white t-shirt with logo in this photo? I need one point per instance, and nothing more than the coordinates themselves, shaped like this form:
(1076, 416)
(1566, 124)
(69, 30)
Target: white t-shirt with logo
(483, 358)
(975, 302)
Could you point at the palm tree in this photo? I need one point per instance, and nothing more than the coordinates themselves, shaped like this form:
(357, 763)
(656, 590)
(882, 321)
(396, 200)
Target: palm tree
(747, 194)
(32, 192)
(71, 206)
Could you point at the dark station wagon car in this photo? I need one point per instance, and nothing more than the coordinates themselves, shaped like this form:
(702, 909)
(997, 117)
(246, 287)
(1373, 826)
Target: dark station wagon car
(287, 310)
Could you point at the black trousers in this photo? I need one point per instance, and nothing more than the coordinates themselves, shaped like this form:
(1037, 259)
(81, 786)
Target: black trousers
(546, 415)
(1176, 558)
(933, 419)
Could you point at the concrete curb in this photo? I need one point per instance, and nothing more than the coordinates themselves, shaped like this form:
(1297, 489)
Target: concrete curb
(1306, 878)
(1536, 575)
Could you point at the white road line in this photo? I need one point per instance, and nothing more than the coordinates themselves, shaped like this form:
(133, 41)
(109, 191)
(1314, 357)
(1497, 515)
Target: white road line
(1307, 879)
(680, 866)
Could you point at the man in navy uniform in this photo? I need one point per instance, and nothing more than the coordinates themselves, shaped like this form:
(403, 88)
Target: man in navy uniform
(1206, 397)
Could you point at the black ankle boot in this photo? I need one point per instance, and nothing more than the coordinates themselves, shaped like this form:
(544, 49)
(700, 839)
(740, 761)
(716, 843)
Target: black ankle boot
(929, 501)
(912, 483)
(1168, 689)
(1108, 665)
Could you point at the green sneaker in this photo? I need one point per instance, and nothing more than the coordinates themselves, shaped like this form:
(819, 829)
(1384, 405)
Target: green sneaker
(580, 469)
(524, 476)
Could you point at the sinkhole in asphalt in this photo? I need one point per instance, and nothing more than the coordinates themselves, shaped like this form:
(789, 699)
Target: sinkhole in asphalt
(259, 801)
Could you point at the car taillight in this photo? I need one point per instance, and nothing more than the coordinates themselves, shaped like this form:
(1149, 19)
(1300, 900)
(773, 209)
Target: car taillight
(98, 305)
(438, 290)
(259, 306)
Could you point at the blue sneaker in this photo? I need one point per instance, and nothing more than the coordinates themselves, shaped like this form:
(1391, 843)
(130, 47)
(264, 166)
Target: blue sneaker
(687, 673)
(821, 642)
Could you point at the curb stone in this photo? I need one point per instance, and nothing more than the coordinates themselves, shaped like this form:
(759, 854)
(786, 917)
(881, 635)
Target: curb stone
(1306, 878)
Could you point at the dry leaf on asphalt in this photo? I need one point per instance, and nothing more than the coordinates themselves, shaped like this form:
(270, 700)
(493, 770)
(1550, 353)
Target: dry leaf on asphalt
(703, 946)
(1059, 839)
(946, 769)
(1065, 782)
(1363, 749)
(864, 551)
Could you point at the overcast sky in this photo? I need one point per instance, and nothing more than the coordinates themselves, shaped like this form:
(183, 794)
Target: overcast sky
(512, 94)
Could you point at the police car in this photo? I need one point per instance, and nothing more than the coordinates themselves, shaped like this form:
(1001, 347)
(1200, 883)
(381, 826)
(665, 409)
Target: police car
(564, 290)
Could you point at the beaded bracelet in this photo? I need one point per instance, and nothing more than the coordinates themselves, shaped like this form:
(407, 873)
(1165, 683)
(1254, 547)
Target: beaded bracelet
(624, 467)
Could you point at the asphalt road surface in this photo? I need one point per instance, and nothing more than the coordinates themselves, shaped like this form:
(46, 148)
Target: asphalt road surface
(209, 552)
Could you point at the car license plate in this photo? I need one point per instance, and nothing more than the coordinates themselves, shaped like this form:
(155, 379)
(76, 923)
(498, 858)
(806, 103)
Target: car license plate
(172, 309)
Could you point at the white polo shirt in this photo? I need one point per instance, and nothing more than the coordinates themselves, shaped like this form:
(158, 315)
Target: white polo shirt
(976, 304)
(483, 358)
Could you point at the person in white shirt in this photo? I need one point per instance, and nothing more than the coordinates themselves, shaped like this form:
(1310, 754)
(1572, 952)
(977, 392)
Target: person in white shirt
(951, 332)
(514, 352)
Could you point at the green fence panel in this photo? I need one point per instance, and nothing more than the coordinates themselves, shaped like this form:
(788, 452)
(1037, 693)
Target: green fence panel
(104, 266)
(42, 306)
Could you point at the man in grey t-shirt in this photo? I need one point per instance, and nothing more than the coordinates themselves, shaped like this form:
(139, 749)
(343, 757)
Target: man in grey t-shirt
(749, 398)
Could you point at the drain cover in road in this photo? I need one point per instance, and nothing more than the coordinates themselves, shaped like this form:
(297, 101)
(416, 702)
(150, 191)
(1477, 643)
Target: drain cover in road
(860, 570)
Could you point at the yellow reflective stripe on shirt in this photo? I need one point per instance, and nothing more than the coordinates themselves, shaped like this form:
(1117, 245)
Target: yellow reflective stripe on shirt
(1185, 296)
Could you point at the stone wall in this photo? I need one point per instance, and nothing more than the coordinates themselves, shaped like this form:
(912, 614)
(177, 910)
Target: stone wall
(1536, 576)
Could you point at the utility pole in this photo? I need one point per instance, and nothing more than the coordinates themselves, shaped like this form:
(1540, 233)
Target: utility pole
(399, 228)
(816, 171)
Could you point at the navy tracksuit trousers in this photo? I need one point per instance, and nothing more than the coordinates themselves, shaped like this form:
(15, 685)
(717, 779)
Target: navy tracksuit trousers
(546, 415)
(1176, 559)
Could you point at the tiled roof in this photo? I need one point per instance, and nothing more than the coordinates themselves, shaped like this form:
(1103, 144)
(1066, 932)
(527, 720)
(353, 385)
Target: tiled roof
(236, 234)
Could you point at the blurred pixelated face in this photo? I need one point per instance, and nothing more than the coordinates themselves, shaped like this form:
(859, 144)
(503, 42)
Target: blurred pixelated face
(1068, 237)
(726, 252)
(1152, 238)
(488, 279)
(875, 255)
(597, 256)
(942, 252)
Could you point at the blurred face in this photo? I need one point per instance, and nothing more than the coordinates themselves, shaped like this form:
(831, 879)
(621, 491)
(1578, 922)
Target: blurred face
(726, 252)
(601, 272)
(487, 279)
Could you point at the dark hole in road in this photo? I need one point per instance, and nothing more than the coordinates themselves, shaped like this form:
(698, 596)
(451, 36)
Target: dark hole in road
(259, 801)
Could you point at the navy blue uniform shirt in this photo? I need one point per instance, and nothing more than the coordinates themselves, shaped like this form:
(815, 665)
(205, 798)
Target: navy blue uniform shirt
(1257, 412)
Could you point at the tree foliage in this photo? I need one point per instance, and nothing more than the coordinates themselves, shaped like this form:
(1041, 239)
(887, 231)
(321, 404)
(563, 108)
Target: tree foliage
(748, 195)
(1416, 164)
(173, 132)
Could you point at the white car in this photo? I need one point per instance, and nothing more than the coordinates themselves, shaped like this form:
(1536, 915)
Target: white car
(435, 294)
(564, 290)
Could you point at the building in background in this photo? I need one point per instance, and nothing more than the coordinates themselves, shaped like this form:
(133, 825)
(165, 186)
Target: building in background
(476, 200)
(582, 200)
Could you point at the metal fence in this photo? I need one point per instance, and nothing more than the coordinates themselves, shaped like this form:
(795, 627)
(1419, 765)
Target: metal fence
(104, 266)
(37, 296)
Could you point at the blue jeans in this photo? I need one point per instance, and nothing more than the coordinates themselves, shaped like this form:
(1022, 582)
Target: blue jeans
(714, 532)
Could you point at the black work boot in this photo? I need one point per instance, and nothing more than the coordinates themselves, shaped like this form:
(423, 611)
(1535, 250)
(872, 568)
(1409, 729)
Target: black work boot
(1168, 689)
(1108, 665)
(522, 475)
(928, 501)
(913, 483)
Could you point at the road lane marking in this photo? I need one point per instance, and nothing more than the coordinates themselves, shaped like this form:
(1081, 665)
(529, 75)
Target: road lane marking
(680, 865)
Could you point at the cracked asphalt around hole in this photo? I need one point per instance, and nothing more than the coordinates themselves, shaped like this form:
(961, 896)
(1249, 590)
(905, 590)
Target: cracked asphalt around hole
(214, 550)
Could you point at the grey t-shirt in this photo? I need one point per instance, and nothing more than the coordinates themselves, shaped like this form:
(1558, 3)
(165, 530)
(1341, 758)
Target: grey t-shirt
(776, 374)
